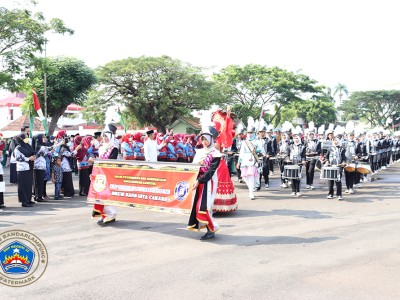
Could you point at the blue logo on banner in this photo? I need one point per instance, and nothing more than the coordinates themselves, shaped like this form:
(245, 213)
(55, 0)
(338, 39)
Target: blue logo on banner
(181, 190)
(16, 258)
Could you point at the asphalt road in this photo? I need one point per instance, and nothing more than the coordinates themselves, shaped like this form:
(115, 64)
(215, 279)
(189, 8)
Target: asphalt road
(273, 247)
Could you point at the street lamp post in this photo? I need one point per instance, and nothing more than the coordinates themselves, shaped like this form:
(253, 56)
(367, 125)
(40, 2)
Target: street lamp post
(45, 81)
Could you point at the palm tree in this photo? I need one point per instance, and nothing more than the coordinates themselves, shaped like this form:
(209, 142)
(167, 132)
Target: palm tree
(340, 88)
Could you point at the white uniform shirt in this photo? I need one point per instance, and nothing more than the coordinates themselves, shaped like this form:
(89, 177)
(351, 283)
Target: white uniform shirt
(150, 149)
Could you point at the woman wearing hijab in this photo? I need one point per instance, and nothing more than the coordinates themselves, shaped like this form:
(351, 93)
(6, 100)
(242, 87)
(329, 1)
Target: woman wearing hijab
(2, 184)
(107, 150)
(13, 162)
(297, 156)
(205, 185)
(64, 152)
(80, 152)
(248, 161)
(24, 156)
(39, 170)
(49, 145)
(127, 147)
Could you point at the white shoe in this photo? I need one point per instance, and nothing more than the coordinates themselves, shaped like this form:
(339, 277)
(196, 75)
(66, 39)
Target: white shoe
(293, 194)
(340, 198)
(358, 185)
(351, 191)
(266, 186)
(251, 196)
(329, 197)
(284, 185)
(312, 187)
(298, 194)
(347, 191)
(308, 187)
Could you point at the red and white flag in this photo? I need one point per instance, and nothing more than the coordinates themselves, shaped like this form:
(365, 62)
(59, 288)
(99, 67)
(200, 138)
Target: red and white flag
(36, 105)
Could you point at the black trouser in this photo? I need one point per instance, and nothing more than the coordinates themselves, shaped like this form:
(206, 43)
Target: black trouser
(271, 165)
(44, 189)
(1, 193)
(25, 186)
(338, 185)
(378, 161)
(372, 160)
(67, 184)
(310, 169)
(296, 183)
(357, 177)
(282, 165)
(238, 171)
(84, 182)
(388, 156)
(75, 165)
(39, 183)
(230, 163)
(265, 170)
(349, 176)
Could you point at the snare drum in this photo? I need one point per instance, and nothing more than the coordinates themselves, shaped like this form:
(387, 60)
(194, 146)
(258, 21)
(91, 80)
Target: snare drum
(350, 168)
(330, 173)
(291, 172)
(364, 168)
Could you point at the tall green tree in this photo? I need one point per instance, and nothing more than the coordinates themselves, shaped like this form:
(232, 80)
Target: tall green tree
(22, 37)
(254, 87)
(318, 111)
(375, 107)
(340, 89)
(69, 81)
(155, 90)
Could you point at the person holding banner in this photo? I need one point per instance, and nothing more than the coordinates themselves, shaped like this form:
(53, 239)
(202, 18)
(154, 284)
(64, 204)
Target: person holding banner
(107, 150)
(205, 185)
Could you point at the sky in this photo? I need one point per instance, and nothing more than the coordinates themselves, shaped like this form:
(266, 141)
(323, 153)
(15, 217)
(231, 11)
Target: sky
(351, 42)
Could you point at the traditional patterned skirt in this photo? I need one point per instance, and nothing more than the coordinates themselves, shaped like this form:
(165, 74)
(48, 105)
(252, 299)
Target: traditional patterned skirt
(225, 199)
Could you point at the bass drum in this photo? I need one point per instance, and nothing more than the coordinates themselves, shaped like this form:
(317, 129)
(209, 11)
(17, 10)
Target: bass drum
(350, 168)
(364, 169)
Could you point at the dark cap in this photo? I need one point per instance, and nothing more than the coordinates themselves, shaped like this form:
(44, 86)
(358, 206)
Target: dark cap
(148, 132)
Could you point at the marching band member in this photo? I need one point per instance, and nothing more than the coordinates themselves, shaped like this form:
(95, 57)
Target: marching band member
(273, 146)
(373, 158)
(262, 140)
(313, 150)
(364, 150)
(352, 153)
(297, 156)
(248, 161)
(205, 185)
(283, 156)
(335, 157)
